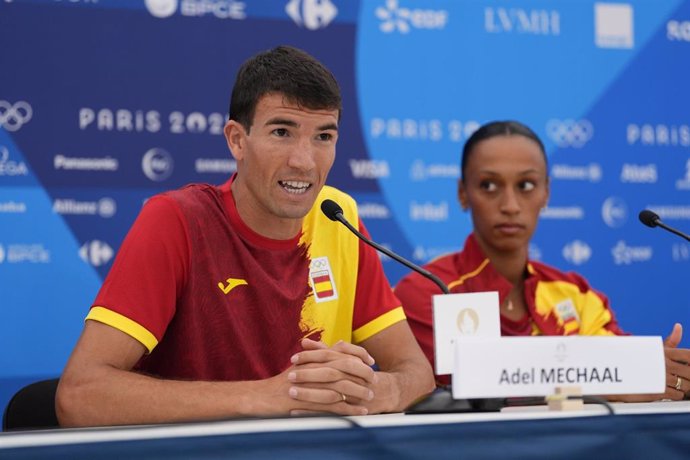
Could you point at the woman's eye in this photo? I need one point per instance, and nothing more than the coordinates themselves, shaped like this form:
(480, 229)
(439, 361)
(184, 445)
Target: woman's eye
(527, 186)
(487, 185)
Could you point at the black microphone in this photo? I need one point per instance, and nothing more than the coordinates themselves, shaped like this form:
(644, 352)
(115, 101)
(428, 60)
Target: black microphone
(333, 211)
(441, 400)
(652, 219)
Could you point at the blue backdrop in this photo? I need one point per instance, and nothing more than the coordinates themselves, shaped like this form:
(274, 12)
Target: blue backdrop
(106, 102)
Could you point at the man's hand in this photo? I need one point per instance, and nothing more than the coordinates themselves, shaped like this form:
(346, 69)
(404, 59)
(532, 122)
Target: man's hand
(335, 379)
(677, 371)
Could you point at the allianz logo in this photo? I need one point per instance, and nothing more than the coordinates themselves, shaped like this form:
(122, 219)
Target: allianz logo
(24, 253)
(649, 134)
(10, 167)
(373, 211)
(85, 163)
(591, 172)
(396, 18)
(105, 207)
(96, 253)
(419, 171)
(221, 9)
(369, 169)
(627, 255)
(429, 211)
(577, 252)
(639, 174)
(522, 21)
(311, 14)
(12, 207)
(562, 213)
(215, 165)
(678, 30)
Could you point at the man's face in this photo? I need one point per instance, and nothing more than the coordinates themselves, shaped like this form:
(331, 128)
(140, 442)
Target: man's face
(282, 163)
(505, 186)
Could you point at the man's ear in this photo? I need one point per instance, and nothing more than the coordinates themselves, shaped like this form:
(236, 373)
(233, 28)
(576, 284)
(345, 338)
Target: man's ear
(236, 137)
(462, 196)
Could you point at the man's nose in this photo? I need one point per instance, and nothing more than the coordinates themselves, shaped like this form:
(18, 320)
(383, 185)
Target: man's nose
(302, 156)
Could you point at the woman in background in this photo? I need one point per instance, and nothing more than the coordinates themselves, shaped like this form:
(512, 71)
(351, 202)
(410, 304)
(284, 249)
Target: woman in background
(505, 185)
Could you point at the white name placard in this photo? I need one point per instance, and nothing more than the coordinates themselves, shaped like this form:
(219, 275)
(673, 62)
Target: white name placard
(473, 314)
(535, 366)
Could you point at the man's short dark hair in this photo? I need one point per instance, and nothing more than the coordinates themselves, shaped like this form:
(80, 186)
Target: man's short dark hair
(283, 70)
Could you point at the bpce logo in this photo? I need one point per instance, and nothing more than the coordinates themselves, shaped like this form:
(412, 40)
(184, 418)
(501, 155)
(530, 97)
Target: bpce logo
(157, 164)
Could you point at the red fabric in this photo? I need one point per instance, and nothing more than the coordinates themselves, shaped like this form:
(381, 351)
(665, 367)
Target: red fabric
(166, 276)
(415, 291)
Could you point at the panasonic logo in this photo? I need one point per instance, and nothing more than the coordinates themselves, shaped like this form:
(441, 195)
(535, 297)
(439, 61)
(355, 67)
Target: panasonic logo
(369, 169)
(215, 165)
(639, 174)
(85, 164)
(563, 213)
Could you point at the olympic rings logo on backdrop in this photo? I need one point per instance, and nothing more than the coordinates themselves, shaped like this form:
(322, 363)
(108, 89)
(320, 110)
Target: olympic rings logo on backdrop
(569, 132)
(14, 116)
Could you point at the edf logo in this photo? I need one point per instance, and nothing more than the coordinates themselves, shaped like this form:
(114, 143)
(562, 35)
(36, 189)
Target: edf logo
(312, 14)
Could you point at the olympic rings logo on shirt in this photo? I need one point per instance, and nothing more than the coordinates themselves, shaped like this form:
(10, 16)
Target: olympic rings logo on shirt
(569, 133)
(14, 116)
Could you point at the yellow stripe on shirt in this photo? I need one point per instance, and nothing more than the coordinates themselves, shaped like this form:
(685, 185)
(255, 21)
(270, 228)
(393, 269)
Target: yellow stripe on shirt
(124, 324)
(377, 325)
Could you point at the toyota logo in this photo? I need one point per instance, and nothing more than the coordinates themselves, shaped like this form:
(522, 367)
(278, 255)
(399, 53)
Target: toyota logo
(569, 133)
(14, 116)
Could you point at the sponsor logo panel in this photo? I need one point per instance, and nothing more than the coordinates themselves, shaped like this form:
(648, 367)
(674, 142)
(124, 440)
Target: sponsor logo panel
(221, 9)
(157, 164)
(10, 167)
(613, 25)
(589, 173)
(373, 211)
(19, 253)
(96, 252)
(105, 207)
(577, 252)
(420, 171)
(409, 129)
(678, 30)
(614, 212)
(684, 182)
(311, 14)
(215, 165)
(369, 169)
(623, 254)
(428, 211)
(15, 115)
(522, 21)
(395, 17)
(562, 213)
(69, 163)
(639, 174)
(658, 134)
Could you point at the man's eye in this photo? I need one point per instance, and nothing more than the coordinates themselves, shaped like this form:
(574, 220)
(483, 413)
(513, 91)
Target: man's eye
(325, 136)
(280, 132)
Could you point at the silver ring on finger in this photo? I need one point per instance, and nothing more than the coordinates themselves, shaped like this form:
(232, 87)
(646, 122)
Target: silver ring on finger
(679, 383)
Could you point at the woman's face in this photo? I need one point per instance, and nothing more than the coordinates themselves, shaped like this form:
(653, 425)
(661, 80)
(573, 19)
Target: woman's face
(505, 186)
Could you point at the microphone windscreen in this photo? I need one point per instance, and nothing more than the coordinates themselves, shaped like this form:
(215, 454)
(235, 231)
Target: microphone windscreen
(331, 209)
(649, 218)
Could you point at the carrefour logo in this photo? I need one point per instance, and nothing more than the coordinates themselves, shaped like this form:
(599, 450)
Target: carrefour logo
(157, 164)
(399, 19)
(312, 14)
(577, 252)
(161, 8)
(96, 253)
